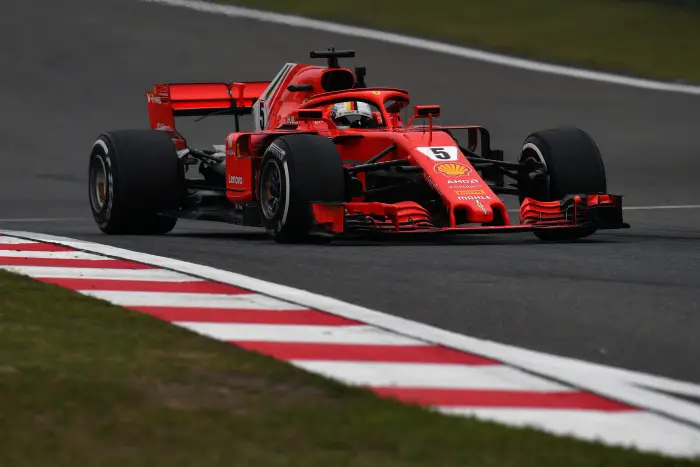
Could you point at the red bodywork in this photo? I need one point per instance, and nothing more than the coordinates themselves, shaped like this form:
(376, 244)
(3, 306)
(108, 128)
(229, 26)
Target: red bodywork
(296, 100)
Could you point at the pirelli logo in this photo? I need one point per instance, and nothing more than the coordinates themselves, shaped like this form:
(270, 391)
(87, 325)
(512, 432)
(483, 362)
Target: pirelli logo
(469, 192)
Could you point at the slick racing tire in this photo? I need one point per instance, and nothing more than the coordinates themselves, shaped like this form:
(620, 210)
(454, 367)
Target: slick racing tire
(295, 171)
(133, 176)
(574, 166)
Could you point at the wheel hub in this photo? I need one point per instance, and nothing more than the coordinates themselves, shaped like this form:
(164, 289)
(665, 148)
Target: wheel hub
(271, 190)
(98, 182)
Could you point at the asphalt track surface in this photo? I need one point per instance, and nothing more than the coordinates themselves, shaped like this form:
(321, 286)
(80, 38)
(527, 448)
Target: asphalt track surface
(74, 68)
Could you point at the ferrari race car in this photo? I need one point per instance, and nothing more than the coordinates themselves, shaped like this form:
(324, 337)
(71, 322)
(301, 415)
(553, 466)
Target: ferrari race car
(329, 156)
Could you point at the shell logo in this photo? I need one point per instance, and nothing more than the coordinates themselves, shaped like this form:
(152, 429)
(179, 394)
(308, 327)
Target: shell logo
(452, 169)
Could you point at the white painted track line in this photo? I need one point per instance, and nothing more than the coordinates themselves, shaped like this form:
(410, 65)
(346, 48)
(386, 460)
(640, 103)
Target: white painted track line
(624, 428)
(102, 273)
(427, 375)
(647, 208)
(46, 219)
(14, 241)
(653, 208)
(351, 334)
(50, 254)
(429, 45)
(245, 301)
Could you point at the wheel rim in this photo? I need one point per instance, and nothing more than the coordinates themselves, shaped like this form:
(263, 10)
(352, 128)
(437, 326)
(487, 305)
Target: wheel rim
(98, 183)
(271, 190)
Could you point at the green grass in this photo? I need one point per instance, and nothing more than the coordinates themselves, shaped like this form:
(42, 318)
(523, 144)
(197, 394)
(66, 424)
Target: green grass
(85, 383)
(648, 38)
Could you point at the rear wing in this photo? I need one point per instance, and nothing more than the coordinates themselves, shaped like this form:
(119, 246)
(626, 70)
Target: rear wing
(171, 100)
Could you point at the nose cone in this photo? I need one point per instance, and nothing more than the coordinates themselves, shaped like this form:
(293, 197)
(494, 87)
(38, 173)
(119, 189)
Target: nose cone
(476, 203)
(449, 172)
(466, 194)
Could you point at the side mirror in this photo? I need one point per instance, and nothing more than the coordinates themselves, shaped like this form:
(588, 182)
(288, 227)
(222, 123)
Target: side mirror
(423, 111)
(426, 111)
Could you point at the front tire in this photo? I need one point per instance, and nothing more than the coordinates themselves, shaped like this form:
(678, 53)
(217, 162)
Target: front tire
(295, 171)
(574, 166)
(133, 176)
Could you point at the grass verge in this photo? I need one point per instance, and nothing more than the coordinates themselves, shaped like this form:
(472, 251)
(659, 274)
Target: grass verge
(83, 382)
(648, 38)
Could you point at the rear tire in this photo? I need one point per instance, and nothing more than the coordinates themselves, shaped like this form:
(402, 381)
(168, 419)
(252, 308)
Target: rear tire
(575, 166)
(295, 171)
(133, 176)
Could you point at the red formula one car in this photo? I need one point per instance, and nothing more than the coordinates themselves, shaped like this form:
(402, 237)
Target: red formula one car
(330, 156)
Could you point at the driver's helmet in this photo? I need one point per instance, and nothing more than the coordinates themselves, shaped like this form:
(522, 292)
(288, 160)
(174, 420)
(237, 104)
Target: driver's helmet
(351, 113)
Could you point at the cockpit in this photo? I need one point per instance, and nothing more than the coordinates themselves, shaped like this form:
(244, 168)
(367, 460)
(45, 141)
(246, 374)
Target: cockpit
(339, 98)
(361, 108)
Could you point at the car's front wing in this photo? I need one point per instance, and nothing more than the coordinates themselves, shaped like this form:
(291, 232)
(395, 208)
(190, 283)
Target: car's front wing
(597, 211)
